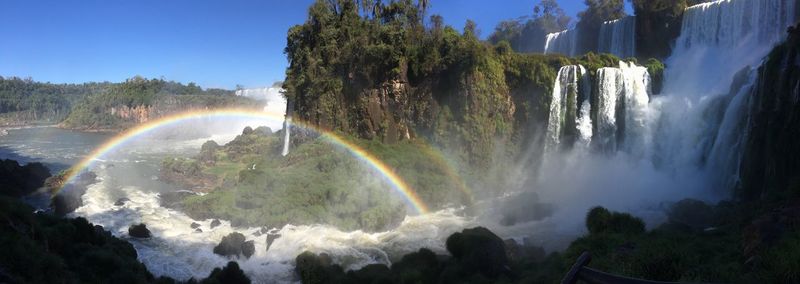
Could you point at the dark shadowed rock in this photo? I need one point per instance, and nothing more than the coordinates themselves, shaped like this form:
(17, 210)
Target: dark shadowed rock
(235, 245)
(248, 248)
(121, 201)
(271, 238)
(230, 274)
(215, 223)
(139, 231)
(69, 197)
(418, 267)
(194, 225)
(478, 249)
(16, 180)
(373, 273)
(317, 269)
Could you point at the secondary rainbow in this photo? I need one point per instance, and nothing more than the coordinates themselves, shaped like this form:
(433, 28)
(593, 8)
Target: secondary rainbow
(396, 182)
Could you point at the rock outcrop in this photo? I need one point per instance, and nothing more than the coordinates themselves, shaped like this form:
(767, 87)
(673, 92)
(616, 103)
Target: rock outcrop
(139, 231)
(235, 245)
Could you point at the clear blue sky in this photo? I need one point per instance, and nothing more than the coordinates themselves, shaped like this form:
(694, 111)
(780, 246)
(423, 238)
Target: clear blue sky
(217, 43)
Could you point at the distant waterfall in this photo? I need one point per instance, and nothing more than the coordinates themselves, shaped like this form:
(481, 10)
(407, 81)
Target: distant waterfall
(287, 126)
(721, 38)
(618, 37)
(564, 42)
(731, 22)
(568, 92)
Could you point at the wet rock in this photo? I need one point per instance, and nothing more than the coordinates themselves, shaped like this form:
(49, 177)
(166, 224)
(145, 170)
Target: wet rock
(21, 180)
(194, 225)
(314, 268)
(121, 201)
(418, 267)
(480, 250)
(69, 197)
(230, 274)
(248, 248)
(235, 245)
(139, 231)
(257, 234)
(198, 230)
(271, 238)
(215, 223)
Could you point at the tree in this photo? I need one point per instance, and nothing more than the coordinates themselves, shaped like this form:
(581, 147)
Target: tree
(471, 29)
(527, 34)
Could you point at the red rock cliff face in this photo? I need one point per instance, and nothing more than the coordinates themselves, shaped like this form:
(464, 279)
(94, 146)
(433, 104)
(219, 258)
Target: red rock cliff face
(385, 112)
(137, 114)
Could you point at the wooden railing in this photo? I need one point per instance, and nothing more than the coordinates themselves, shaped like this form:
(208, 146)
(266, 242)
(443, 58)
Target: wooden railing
(579, 271)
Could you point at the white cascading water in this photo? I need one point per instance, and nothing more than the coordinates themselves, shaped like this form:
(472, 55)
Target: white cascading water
(564, 42)
(609, 89)
(636, 96)
(564, 112)
(287, 124)
(623, 93)
(618, 37)
(272, 96)
(667, 147)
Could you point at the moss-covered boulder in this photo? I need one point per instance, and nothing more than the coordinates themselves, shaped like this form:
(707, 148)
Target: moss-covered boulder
(478, 249)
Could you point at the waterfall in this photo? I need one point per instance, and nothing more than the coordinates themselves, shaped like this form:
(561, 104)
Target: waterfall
(636, 96)
(564, 119)
(618, 37)
(564, 42)
(622, 108)
(721, 38)
(731, 22)
(725, 155)
(272, 97)
(287, 125)
(609, 90)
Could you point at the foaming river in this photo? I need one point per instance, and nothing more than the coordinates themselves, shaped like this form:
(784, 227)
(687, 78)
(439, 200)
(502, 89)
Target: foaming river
(177, 250)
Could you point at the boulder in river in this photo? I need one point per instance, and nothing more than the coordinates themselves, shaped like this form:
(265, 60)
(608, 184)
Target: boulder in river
(234, 244)
(198, 230)
(478, 249)
(121, 201)
(194, 225)
(248, 248)
(139, 231)
(215, 223)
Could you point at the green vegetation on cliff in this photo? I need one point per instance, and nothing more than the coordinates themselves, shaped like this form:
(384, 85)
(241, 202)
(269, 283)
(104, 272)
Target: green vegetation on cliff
(105, 106)
(24, 101)
(250, 183)
(382, 73)
(138, 99)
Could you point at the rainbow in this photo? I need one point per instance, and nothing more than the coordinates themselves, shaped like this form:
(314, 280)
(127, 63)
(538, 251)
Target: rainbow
(396, 182)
